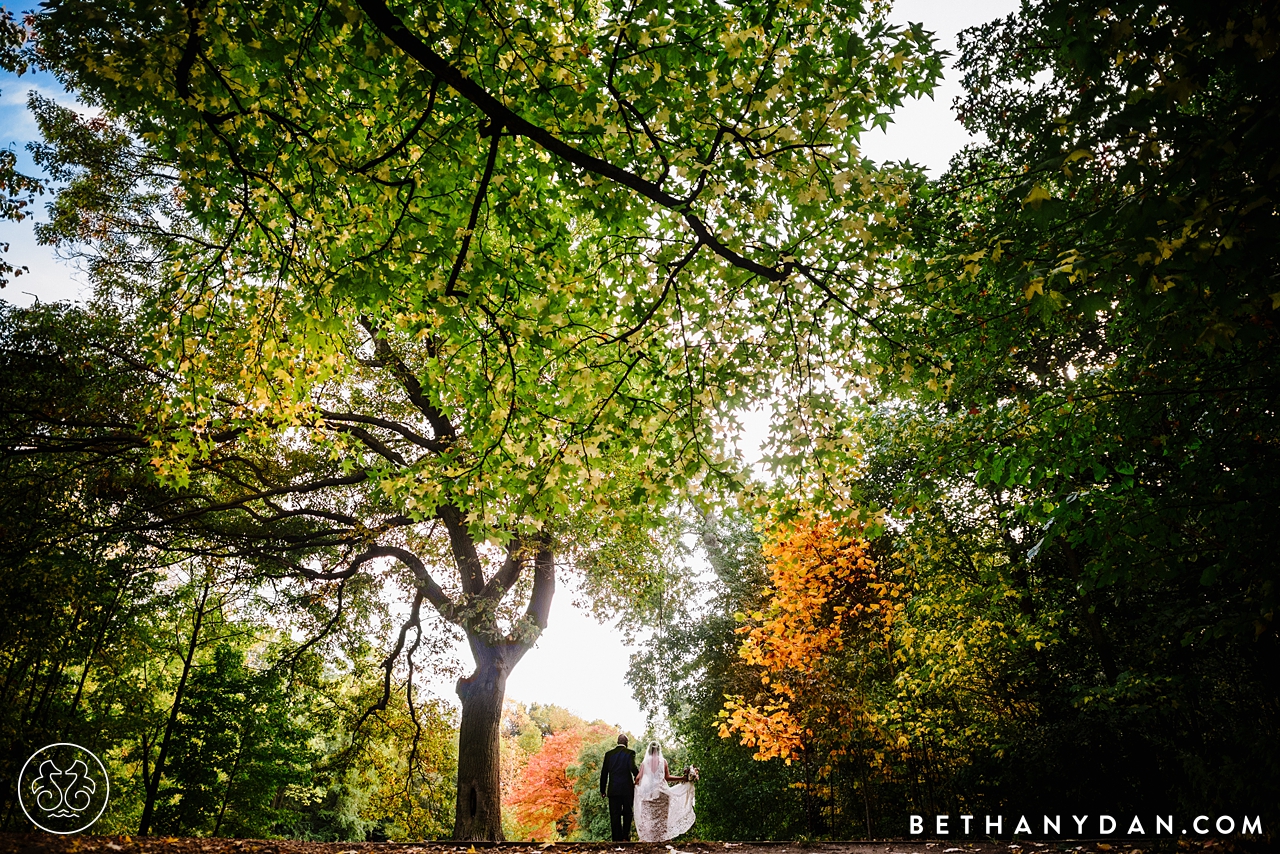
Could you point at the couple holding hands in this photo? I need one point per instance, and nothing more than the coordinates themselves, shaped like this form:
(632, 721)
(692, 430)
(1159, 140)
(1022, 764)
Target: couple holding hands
(661, 812)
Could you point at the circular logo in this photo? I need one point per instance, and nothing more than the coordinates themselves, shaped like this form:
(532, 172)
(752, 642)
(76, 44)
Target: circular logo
(63, 788)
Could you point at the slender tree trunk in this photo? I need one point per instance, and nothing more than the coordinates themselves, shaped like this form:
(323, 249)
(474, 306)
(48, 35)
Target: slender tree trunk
(245, 732)
(866, 805)
(146, 758)
(8, 677)
(53, 674)
(153, 784)
(478, 814)
(31, 694)
(808, 797)
(42, 708)
(97, 644)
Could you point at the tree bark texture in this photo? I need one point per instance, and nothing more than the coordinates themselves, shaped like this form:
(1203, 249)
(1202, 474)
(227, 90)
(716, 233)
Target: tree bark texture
(478, 813)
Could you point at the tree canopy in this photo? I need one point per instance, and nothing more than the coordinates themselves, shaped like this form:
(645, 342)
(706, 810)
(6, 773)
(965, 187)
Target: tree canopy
(425, 278)
(568, 225)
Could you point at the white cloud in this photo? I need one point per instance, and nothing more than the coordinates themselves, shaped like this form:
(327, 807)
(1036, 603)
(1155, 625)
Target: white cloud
(17, 126)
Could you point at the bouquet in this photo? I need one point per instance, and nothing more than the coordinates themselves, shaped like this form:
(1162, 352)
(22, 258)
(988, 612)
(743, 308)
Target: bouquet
(692, 774)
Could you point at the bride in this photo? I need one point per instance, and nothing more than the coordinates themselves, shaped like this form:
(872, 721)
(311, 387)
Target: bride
(662, 812)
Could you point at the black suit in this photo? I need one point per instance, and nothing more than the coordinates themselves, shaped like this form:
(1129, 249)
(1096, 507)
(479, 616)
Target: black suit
(618, 782)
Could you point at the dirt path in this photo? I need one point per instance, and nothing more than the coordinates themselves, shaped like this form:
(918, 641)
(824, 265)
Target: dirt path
(42, 843)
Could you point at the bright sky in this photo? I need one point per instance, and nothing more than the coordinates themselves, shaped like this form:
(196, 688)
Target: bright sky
(578, 663)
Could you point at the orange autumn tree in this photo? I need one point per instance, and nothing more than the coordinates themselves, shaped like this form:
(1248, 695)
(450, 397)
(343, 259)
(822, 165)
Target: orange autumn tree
(543, 796)
(823, 630)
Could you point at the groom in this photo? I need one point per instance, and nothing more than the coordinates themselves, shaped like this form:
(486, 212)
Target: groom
(618, 782)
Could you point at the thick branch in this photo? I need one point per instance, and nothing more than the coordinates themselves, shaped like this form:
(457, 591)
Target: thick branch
(426, 584)
(544, 586)
(371, 442)
(308, 512)
(413, 388)
(342, 574)
(464, 549)
(301, 489)
(505, 578)
(386, 424)
(481, 192)
(538, 612)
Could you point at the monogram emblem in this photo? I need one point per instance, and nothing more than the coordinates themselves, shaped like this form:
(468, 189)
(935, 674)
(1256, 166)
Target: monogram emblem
(63, 788)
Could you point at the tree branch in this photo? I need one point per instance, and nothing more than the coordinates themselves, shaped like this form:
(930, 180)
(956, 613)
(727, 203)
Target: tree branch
(426, 584)
(539, 610)
(464, 549)
(408, 137)
(458, 263)
(371, 442)
(394, 29)
(389, 663)
(386, 424)
(314, 486)
(505, 578)
(440, 424)
(292, 661)
(544, 585)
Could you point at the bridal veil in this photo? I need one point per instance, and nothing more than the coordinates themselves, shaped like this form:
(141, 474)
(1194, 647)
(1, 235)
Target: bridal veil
(662, 812)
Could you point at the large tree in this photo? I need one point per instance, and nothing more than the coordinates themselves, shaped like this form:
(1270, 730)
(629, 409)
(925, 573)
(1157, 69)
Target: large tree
(468, 287)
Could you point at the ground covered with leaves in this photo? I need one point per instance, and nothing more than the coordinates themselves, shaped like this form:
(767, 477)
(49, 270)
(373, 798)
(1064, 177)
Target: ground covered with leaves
(14, 843)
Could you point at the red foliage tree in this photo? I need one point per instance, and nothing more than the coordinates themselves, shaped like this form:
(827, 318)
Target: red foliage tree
(543, 797)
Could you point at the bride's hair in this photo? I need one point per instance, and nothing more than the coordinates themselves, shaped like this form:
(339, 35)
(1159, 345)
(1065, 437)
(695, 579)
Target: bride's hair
(654, 748)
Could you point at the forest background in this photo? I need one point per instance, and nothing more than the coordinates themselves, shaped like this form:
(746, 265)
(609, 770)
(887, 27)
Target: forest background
(1012, 550)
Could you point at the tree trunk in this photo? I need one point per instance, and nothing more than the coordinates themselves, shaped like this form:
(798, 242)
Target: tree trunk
(152, 784)
(245, 732)
(478, 814)
(97, 644)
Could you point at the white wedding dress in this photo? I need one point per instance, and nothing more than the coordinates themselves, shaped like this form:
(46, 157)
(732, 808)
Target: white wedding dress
(662, 812)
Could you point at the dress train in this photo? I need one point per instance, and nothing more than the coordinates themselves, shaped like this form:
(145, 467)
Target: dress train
(663, 812)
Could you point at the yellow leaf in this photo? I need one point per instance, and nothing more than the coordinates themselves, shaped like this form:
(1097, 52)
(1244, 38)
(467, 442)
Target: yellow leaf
(1037, 195)
(1036, 287)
